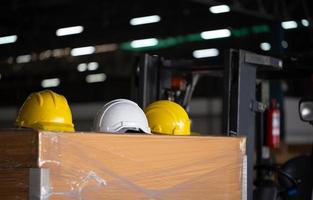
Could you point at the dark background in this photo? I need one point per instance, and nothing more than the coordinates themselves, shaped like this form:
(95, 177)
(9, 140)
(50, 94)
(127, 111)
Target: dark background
(107, 22)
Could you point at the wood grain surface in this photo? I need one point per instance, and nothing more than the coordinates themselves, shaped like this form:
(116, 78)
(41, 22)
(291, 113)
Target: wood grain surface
(18, 148)
(14, 184)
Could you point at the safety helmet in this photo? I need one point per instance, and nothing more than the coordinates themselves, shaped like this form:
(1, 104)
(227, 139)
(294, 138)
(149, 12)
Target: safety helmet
(45, 110)
(121, 116)
(167, 117)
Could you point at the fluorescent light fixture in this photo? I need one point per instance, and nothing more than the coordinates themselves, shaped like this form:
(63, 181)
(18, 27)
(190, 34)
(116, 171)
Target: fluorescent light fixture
(51, 82)
(23, 59)
(45, 55)
(82, 67)
(145, 20)
(69, 30)
(284, 44)
(8, 39)
(83, 51)
(305, 22)
(92, 66)
(220, 33)
(265, 46)
(219, 9)
(58, 53)
(144, 43)
(94, 78)
(289, 24)
(106, 48)
(203, 53)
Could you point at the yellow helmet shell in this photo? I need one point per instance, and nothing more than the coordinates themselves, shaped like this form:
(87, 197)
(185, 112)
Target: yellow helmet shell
(45, 110)
(167, 117)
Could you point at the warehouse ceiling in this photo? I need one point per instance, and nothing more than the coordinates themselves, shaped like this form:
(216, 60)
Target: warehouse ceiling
(36, 53)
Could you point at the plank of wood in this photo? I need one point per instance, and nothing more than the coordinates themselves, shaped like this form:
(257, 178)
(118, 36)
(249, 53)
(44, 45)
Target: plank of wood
(19, 148)
(110, 166)
(14, 184)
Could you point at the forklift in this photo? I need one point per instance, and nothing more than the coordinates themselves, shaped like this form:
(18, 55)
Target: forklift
(158, 78)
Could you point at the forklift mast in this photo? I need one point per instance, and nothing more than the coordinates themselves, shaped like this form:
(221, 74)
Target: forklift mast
(239, 71)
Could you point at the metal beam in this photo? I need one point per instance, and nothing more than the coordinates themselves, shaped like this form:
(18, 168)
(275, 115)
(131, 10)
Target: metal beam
(239, 102)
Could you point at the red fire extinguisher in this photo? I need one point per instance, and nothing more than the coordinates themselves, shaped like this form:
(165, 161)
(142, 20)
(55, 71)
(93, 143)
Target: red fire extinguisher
(273, 125)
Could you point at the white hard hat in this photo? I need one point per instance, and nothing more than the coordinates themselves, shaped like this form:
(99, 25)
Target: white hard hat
(120, 116)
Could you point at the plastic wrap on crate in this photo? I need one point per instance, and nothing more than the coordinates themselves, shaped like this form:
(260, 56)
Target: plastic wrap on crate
(111, 166)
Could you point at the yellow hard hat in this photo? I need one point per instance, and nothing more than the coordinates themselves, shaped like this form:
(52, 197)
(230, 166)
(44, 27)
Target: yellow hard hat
(45, 110)
(167, 117)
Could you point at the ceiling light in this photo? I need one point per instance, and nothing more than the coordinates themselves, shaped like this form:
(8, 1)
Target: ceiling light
(284, 44)
(203, 53)
(23, 59)
(219, 9)
(58, 53)
(94, 78)
(8, 39)
(305, 22)
(82, 67)
(265, 46)
(145, 20)
(69, 30)
(83, 51)
(52, 82)
(220, 33)
(106, 48)
(289, 24)
(144, 43)
(92, 66)
(45, 55)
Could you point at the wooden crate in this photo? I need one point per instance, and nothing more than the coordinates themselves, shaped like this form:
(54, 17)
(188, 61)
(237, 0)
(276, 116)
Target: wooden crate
(54, 165)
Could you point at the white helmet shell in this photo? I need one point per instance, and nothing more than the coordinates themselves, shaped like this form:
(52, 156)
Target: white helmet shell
(120, 116)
